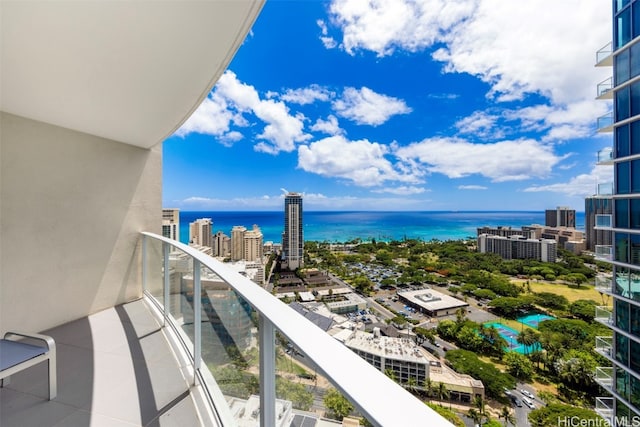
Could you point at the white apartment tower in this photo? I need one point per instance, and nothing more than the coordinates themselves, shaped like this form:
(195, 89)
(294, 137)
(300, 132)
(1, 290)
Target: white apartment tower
(221, 244)
(200, 232)
(237, 242)
(253, 247)
(171, 223)
(292, 237)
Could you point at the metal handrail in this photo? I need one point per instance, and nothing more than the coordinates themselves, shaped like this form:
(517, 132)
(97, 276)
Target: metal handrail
(367, 388)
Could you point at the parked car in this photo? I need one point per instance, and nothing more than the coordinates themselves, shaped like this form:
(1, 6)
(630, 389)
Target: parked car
(516, 401)
(527, 393)
(528, 403)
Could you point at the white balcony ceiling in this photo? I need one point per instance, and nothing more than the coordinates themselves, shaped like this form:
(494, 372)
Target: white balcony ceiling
(131, 71)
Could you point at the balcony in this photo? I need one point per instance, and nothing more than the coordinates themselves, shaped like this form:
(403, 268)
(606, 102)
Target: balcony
(229, 325)
(604, 89)
(604, 252)
(604, 315)
(604, 57)
(604, 408)
(605, 156)
(605, 189)
(603, 222)
(604, 376)
(604, 345)
(605, 123)
(603, 283)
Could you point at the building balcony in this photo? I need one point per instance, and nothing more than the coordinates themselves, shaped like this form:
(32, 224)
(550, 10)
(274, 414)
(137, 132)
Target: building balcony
(605, 156)
(605, 189)
(604, 89)
(604, 345)
(603, 222)
(604, 56)
(604, 252)
(604, 408)
(604, 377)
(603, 283)
(605, 123)
(604, 315)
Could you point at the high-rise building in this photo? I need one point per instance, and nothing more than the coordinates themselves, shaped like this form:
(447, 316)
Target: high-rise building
(518, 247)
(292, 237)
(622, 349)
(171, 223)
(252, 243)
(201, 232)
(560, 217)
(237, 242)
(597, 221)
(221, 244)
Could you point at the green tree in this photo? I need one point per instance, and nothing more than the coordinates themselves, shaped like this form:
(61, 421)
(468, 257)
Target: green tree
(584, 309)
(429, 387)
(442, 393)
(337, 404)
(519, 365)
(529, 338)
(475, 416)
(507, 416)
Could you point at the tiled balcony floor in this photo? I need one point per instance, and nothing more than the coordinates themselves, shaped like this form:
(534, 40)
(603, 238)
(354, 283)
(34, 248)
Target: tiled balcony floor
(115, 368)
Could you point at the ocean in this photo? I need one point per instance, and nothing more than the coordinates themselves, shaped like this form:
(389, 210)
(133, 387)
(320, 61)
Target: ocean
(383, 226)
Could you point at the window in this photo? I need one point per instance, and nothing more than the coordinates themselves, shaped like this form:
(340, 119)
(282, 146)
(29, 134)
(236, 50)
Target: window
(635, 98)
(622, 67)
(622, 213)
(635, 137)
(622, 349)
(622, 178)
(622, 31)
(622, 103)
(635, 176)
(622, 140)
(622, 315)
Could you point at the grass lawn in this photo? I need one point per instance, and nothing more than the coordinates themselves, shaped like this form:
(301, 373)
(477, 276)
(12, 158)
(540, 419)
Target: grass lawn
(570, 293)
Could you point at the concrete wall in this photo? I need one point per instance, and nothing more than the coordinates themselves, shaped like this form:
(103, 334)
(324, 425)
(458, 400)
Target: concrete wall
(71, 207)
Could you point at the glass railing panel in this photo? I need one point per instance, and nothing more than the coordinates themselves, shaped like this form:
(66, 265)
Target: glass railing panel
(604, 314)
(605, 155)
(604, 345)
(604, 407)
(603, 283)
(181, 291)
(604, 252)
(605, 189)
(604, 376)
(603, 221)
(603, 55)
(604, 88)
(605, 123)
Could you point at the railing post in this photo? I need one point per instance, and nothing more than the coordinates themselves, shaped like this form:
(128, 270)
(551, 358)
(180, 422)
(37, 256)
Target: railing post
(166, 284)
(144, 263)
(267, 372)
(197, 316)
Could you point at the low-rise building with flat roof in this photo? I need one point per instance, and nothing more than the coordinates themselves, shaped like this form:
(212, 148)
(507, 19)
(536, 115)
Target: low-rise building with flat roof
(430, 302)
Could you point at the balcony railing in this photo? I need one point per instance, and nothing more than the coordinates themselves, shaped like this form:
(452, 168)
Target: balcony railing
(604, 57)
(603, 221)
(604, 345)
(604, 407)
(604, 252)
(604, 376)
(605, 189)
(603, 283)
(604, 315)
(604, 89)
(605, 156)
(605, 123)
(228, 325)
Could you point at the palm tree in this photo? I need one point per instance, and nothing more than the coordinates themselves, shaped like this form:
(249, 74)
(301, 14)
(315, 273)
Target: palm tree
(528, 338)
(461, 315)
(479, 404)
(428, 387)
(475, 416)
(508, 417)
(442, 392)
(390, 373)
(411, 383)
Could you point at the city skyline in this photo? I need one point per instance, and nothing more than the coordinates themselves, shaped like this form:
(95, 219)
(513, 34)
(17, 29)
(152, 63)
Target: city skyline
(441, 106)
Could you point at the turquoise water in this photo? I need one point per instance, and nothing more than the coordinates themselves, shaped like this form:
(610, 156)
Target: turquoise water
(341, 226)
(511, 337)
(534, 320)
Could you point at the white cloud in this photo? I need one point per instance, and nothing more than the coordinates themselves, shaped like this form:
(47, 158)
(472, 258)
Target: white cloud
(362, 162)
(366, 107)
(307, 95)
(211, 118)
(472, 187)
(329, 126)
(480, 124)
(402, 190)
(384, 26)
(583, 185)
(327, 41)
(500, 161)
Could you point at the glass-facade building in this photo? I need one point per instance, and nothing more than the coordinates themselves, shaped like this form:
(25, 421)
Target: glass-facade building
(622, 379)
(293, 239)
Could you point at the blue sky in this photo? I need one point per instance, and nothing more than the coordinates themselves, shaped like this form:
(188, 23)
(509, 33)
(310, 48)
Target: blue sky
(401, 105)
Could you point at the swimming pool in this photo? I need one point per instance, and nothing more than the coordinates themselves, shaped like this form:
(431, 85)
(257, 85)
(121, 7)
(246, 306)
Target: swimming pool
(511, 337)
(533, 320)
